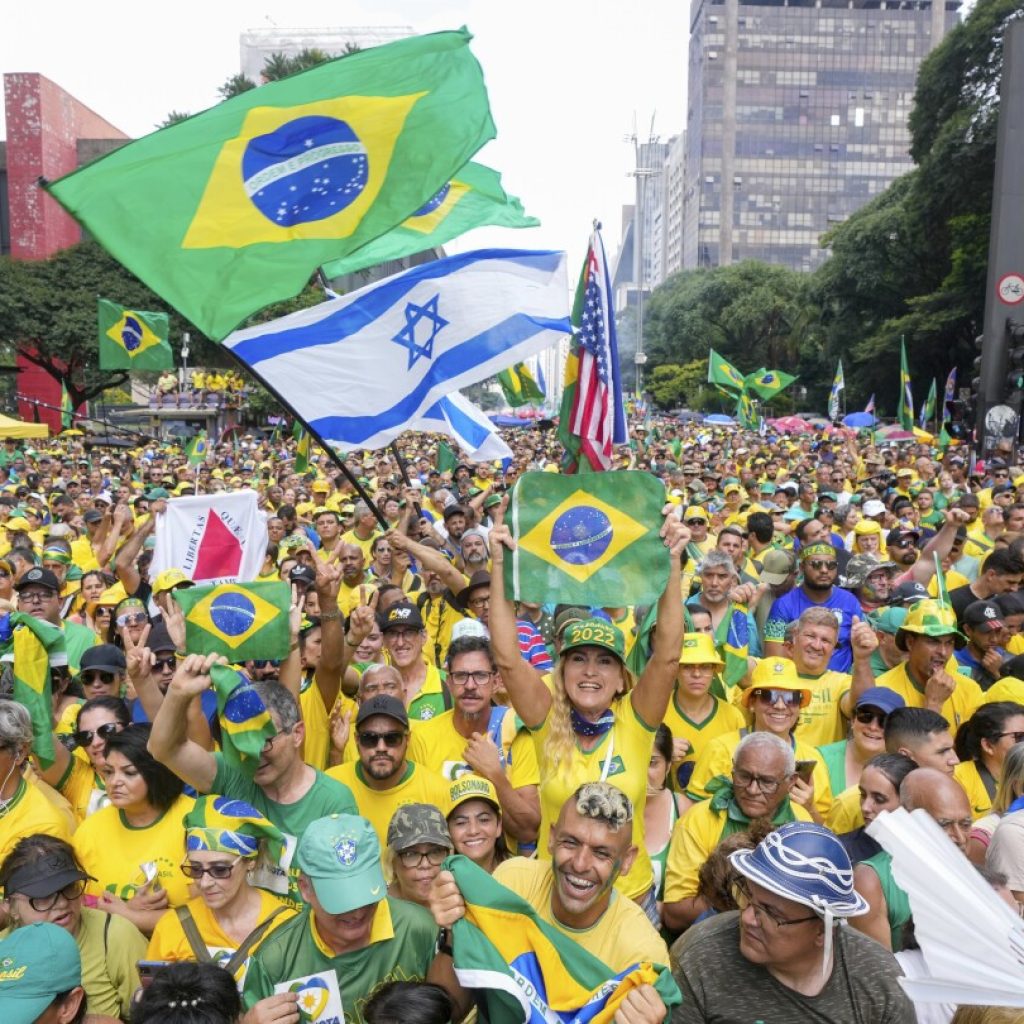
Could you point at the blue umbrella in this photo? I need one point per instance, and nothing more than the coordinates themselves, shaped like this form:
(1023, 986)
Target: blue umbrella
(719, 418)
(859, 419)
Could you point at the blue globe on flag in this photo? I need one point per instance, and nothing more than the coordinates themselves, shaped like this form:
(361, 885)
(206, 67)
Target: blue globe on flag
(131, 333)
(232, 613)
(435, 201)
(581, 535)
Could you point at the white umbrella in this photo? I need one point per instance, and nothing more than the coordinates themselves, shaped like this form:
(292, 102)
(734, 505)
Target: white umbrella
(972, 942)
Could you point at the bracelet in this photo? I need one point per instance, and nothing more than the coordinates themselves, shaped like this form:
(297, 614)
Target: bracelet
(329, 616)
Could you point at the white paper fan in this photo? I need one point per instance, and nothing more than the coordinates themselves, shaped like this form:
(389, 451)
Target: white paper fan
(972, 942)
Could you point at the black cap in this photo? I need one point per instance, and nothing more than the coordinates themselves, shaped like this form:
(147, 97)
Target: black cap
(908, 593)
(454, 510)
(104, 658)
(45, 874)
(983, 615)
(37, 577)
(402, 614)
(160, 639)
(383, 704)
(93, 515)
(302, 574)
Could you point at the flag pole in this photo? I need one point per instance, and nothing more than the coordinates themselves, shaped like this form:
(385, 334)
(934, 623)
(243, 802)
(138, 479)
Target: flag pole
(331, 453)
(405, 476)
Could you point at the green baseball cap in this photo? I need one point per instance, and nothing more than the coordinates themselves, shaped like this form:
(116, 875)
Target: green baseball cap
(37, 963)
(889, 620)
(157, 493)
(594, 633)
(340, 854)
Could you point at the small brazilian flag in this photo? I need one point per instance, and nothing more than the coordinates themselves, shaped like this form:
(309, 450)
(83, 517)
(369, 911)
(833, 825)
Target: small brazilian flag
(235, 208)
(301, 448)
(131, 339)
(519, 386)
(196, 449)
(447, 462)
(768, 383)
(472, 199)
(245, 723)
(37, 646)
(591, 540)
(239, 620)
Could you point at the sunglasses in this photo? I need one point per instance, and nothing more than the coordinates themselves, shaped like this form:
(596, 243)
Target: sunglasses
(372, 739)
(791, 698)
(821, 563)
(165, 664)
(866, 716)
(905, 542)
(91, 678)
(132, 619)
(696, 522)
(219, 870)
(84, 737)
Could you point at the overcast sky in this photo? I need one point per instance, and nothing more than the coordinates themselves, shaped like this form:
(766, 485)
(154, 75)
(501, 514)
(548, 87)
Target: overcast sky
(565, 77)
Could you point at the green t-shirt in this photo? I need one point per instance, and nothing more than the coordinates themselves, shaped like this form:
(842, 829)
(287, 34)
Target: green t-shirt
(834, 756)
(897, 903)
(292, 952)
(78, 639)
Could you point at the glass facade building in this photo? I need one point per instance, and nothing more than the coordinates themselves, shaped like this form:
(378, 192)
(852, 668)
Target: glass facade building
(797, 117)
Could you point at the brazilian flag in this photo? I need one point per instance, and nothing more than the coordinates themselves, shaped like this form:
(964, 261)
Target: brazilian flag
(37, 646)
(301, 448)
(590, 539)
(236, 208)
(447, 461)
(239, 620)
(527, 970)
(196, 449)
(131, 339)
(472, 199)
(519, 386)
(245, 722)
(722, 373)
(768, 383)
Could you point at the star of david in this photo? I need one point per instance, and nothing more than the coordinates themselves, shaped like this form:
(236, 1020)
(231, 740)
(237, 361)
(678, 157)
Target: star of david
(406, 337)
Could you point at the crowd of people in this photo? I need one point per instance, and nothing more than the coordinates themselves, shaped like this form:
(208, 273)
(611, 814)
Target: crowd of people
(686, 784)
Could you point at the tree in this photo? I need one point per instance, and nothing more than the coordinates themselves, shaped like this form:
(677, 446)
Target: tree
(671, 384)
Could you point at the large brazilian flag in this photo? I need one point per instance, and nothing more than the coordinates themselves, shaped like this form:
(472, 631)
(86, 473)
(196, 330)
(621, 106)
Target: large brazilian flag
(591, 539)
(239, 620)
(235, 208)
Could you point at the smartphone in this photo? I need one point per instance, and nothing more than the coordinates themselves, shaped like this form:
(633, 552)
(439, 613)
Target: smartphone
(148, 970)
(805, 769)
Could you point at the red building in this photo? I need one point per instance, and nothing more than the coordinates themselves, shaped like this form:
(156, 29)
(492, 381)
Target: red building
(49, 133)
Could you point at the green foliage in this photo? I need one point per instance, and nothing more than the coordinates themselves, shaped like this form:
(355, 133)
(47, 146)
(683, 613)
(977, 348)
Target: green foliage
(235, 86)
(673, 385)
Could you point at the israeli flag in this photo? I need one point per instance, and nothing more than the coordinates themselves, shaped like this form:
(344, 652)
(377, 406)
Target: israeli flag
(362, 368)
(467, 425)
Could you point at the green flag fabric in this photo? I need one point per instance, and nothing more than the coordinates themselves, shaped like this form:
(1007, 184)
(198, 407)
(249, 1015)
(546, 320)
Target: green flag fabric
(235, 208)
(239, 620)
(723, 373)
(301, 448)
(527, 969)
(768, 383)
(37, 646)
(472, 199)
(905, 412)
(577, 544)
(928, 408)
(131, 339)
(746, 413)
(446, 458)
(196, 449)
(519, 386)
(572, 460)
(67, 410)
(245, 723)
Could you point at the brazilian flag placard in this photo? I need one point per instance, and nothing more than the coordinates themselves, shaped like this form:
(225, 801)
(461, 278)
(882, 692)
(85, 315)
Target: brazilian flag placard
(239, 620)
(235, 208)
(592, 540)
(472, 199)
(132, 339)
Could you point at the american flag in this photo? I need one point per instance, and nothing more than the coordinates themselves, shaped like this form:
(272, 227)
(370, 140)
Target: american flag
(598, 417)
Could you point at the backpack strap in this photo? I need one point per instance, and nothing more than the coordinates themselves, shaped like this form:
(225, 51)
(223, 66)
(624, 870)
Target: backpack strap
(191, 930)
(252, 939)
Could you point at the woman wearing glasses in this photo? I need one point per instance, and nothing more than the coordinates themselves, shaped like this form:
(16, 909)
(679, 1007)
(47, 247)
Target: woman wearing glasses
(132, 848)
(99, 612)
(130, 619)
(982, 743)
(232, 855)
(43, 882)
(418, 842)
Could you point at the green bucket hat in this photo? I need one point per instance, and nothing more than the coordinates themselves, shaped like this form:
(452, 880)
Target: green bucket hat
(594, 633)
(929, 618)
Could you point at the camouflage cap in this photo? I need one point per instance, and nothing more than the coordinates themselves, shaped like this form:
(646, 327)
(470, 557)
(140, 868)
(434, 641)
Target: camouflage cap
(594, 633)
(860, 567)
(413, 824)
(929, 618)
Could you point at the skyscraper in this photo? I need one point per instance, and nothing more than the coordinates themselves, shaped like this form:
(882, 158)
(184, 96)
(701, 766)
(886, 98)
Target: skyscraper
(797, 117)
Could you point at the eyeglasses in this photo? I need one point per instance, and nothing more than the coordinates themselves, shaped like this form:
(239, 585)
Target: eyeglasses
(132, 619)
(41, 904)
(165, 664)
(461, 678)
(217, 870)
(94, 677)
(4, 574)
(866, 716)
(820, 563)
(791, 698)
(767, 784)
(1017, 736)
(267, 744)
(36, 596)
(741, 894)
(414, 858)
(84, 737)
(370, 740)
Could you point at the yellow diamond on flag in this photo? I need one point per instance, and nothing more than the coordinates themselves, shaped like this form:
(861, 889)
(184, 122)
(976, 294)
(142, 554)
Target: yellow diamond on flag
(133, 334)
(582, 535)
(232, 613)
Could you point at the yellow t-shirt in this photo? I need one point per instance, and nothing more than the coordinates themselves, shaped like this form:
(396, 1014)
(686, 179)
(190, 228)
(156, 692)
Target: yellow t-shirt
(621, 758)
(83, 555)
(619, 938)
(419, 785)
(845, 815)
(353, 538)
(429, 702)
(966, 696)
(316, 748)
(822, 722)
(717, 760)
(169, 941)
(439, 747)
(954, 579)
(966, 773)
(439, 616)
(114, 853)
(110, 946)
(83, 789)
(30, 813)
(724, 718)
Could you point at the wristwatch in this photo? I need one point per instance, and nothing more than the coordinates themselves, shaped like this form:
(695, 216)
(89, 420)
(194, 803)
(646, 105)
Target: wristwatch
(444, 941)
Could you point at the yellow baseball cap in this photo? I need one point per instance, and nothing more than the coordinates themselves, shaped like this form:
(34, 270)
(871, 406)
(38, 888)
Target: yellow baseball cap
(472, 787)
(696, 512)
(168, 580)
(776, 674)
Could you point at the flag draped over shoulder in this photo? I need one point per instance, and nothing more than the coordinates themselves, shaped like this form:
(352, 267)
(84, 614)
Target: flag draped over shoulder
(905, 412)
(131, 339)
(243, 202)
(528, 969)
(240, 621)
(245, 723)
(591, 540)
(519, 387)
(360, 369)
(722, 373)
(37, 646)
(838, 384)
(472, 199)
(593, 417)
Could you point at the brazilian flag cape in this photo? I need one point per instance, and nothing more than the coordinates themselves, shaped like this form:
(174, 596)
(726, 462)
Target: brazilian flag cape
(530, 971)
(36, 646)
